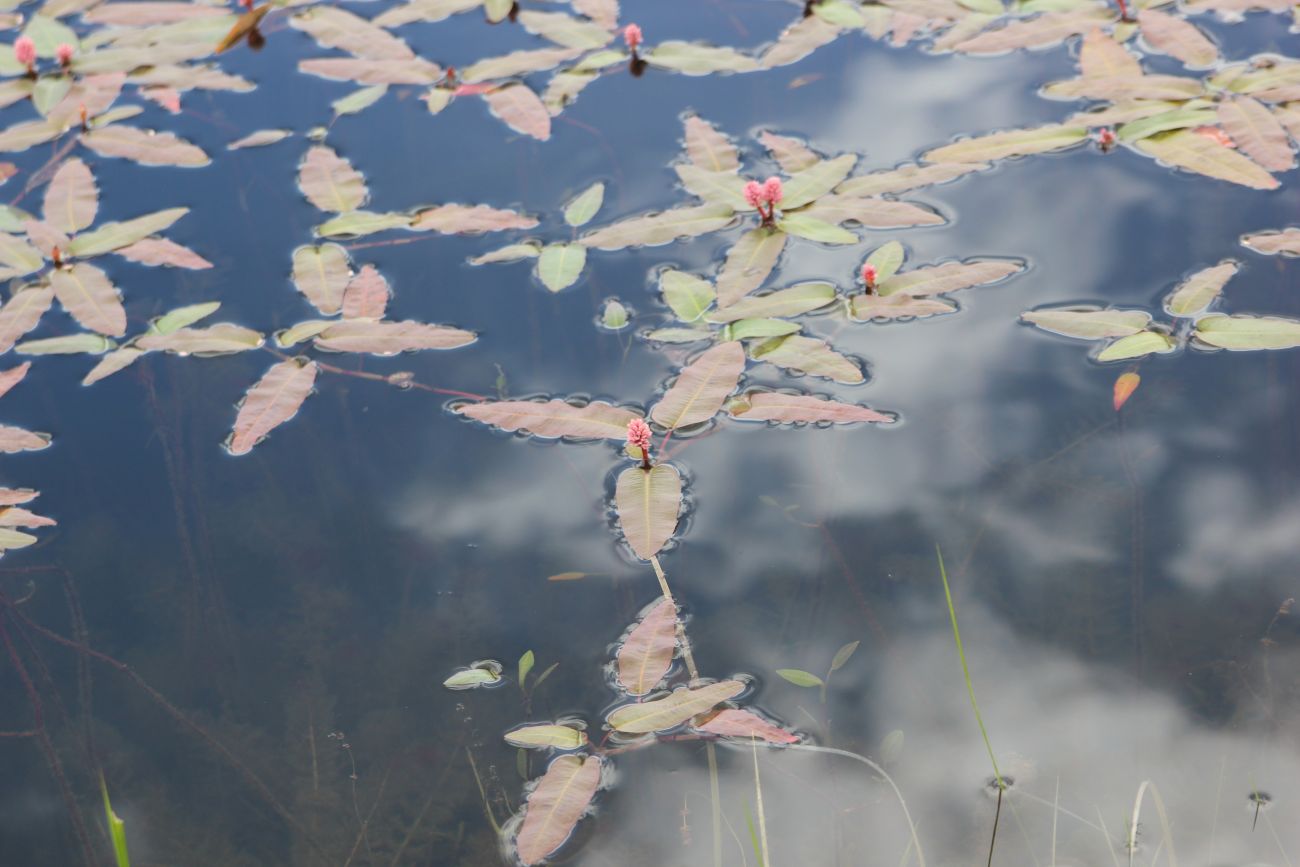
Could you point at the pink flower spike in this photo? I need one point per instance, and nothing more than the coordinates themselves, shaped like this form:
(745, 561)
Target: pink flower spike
(870, 275)
(632, 36)
(64, 53)
(25, 51)
(755, 194)
(1106, 138)
(638, 436)
(772, 190)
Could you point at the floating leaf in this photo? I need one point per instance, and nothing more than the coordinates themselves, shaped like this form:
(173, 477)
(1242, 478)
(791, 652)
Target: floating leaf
(1286, 242)
(950, 277)
(19, 256)
(469, 678)
(1169, 87)
(14, 496)
(1125, 385)
(560, 265)
(114, 236)
(90, 297)
(16, 439)
(709, 149)
(1248, 332)
(790, 153)
(1000, 145)
(363, 71)
(321, 274)
(660, 228)
(456, 219)
(906, 177)
(359, 100)
(555, 806)
(333, 27)
(72, 344)
(886, 259)
(12, 517)
(794, 301)
(808, 355)
(516, 63)
(843, 655)
(355, 224)
(1136, 346)
(260, 138)
(1257, 132)
(424, 10)
(816, 181)
(272, 401)
(679, 335)
(329, 182)
(873, 213)
(10, 539)
(160, 251)
(748, 329)
(737, 723)
(146, 147)
(72, 198)
(111, 363)
(1182, 118)
(648, 502)
(45, 237)
(614, 315)
(580, 211)
(647, 653)
(1190, 150)
(780, 407)
(696, 58)
(305, 330)
(21, 136)
(1100, 56)
(1198, 291)
(521, 110)
(20, 313)
(11, 377)
(390, 338)
(1089, 324)
(804, 226)
(366, 296)
(603, 12)
(1047, 29)
(723, 188)
(689, 296)
(799, 677)
(701, 387)
(1177, 37)
(673, 709)
(184, 317)
(220, 339)
(749, 263)
(901, 306)
(543, 736)
(553, 418)
(799, 40)
(509, 253)
(564, 29)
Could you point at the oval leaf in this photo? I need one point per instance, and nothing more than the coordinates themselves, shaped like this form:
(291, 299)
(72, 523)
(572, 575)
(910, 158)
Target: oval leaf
(1136, 346)
(271, 402)
(702, 387)
(543, 736)
(648, 502)
(780, 407)
(1198, 291)
(329, 182)
(1248, 332)
(555, 806)
(1089, 324)
(553, 418)
(673, 709)
(88, 295)
(647, 653)
(560, 265)
(390, 338)
(72, 198)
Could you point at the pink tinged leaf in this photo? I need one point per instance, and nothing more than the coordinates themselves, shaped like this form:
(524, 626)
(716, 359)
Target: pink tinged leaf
(330, 183)
(709, 149)
(15, 517)
(702, 387)
(949, 277)
(1100, 56)
(557, 803)
(390, 338)
(144, 146)
(148, 14)
(873, 213)
(271, 402)
(660, 228)
(603, 12)
(321, 274)
(167, 97)
(46, 238)
(1188, 149)
(20, 314)
(648, 503)
(473, 89)
(799, 40)
(790, 153)
(1286, 242)
(905, 177)
(1257, 132)
(899, 306)
(90, 298)
(95, 92)
(516, 63)
(553, 418)
(736, 723)
(13, 496)
(1047, 29)
(647, 653)
(749, 263)
(362, 71)
(15, 439)
(366, 296)
(160, 251)
(464, 219)
(220, 339)
(777, 406)
(905, 27)
(1177, 37)
(521, 110)
(672, 710)
(333, 27)
(118, 359)
(72, 198)
(808, 355)
(11, 377)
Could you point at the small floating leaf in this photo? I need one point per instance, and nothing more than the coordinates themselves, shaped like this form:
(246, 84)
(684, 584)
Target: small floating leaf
(321, 274)
(799, 677)
(886, 259)
(660, 228)
(20, 313)
(749, 262)
(815, 230)
(472, 677)
(701, 387)
(1125, 385)
(901, 306)
(843, 655)
(790, 153)
(356, 224)
(72, 198)
(647, 653)
(457, 219)
(553, 418)
(648, 502)
(272, 401)
(1136, 346)
(738, 723)
(695, 58)
(366, 295)
(87, 294)
(113, 236)
(580, 211)
(679, 335)
(560, 265)
(1286, 242)
(509, 253)
(1248, 332)
(794, 301)
(260, 138)
(1089, 324)
(543, 736)
(708, 148)
(672, 710)
(1257, 132)
(688, 296)
(219, 339)
(906, 177)
(555, 806)
(333, 27)
(816, 181)
(146, 147)
(118, 359)
(329, 182)
(521, 110)
(808, 355)
(1177, 37)
(11, 377)
(950, 277)
(160, 251)
(359, 100)
(749, 329)
(16, 439)
(781, 407)
(1198, 291)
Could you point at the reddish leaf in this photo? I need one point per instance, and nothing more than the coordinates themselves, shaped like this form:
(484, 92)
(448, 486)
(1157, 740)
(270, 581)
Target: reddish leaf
(521, 110)
(556, 804)
(736, 723)
(87, 294)
(150, 13)
(648, 503)
(72, 198)
(13, 496)
(271, 402)
(21, 313)
(366, 296)
(781, 407)
(390, 338)
(1177, 37)
(553, 418)
(330, 183)
(333, 27)
(160, 251)
(146, 147)
(15, 439)
(363, 71)
(11, 516)
(462, 219)
(701, 388)
(11, 377)
(709, 149)
(1124, 388)
(1257, 132)
(647, 653)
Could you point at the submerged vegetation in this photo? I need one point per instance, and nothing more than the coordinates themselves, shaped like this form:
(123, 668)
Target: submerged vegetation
(744, 343)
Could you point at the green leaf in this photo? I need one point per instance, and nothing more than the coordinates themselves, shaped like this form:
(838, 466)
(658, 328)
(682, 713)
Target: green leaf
(750, 329)
(701, 387)
(580, 211)
(116, 828)
(1089, 324)
(816, 230)
(695, 58)
(720, 188)
(843, 654)
(508, 253)
(799, 678)
(296, 334)
(112, 236)
(808, 355)
(49, 90)
(497, 10)
(1190, 150)
(543, 736)
(1017, 142)
(359, 100)
(1136, 346)
(794, 301)
(72, 344)
(688, 296)
(470, 678)
(14, 220)
(887, 259)
(812, 183)
(355, 224)
(48, 34)
(1180, 118)
(614, 316)
(749, 263)
(525, 665)
(183, 317)
(560, 265)
(660, 228)
(1248, 332)
(679, 335)
(673, 709)
(840, 12)
(1198, 291)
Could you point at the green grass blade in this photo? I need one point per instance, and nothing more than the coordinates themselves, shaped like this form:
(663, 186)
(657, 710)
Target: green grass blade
(116, 828)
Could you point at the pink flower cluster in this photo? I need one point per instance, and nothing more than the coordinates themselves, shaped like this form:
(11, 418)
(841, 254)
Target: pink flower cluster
(64, 54)
(25, 52)
(767, 193)
(869, 276)
(638, 436)
(632, 37)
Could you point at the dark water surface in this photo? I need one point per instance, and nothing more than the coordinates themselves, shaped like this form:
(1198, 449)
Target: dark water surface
(1117, 581)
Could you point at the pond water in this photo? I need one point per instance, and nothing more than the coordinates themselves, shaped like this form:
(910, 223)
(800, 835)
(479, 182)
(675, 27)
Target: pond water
(274, 628)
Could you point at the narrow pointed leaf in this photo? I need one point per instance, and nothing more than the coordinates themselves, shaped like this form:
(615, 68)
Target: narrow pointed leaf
(184, 317)
(555, 806)
(1285, 241)
(90, 297)
(72, 344)
(749, 263)
(672, 710)
(949, 277)
(160, 251)
(1000, 145)
(553, 418)
(701, 387)
(560, 265)
(546, 736)
(1257, 132)
(1177, 37)
(457, 219)
(780, 407)
(660, 228)
(813, 229)
(580, 211)
(13, 376)
(739, 723)
(900, 306)
(113, 236)
(722, 188)
(1089, 324)
(16, 439)
(1136, 346)
(220, 339)
(648, 503)
(1198, 291)
(118, 359)
(696, 58)
(390, 338)
(1248, 332)
(1190, 150)
(873, 213)
(794, 301)
(790, 153)
(333, 27)
(709, 149)
(906, 177)
(816, 181)
(272, 401)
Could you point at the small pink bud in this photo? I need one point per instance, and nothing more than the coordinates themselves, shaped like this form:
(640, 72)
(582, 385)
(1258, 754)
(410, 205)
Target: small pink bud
(64, 53)
(25, 51)
(869, 275)
(755, 194)
(1106, 138)
(632, 36)
(772, 190)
